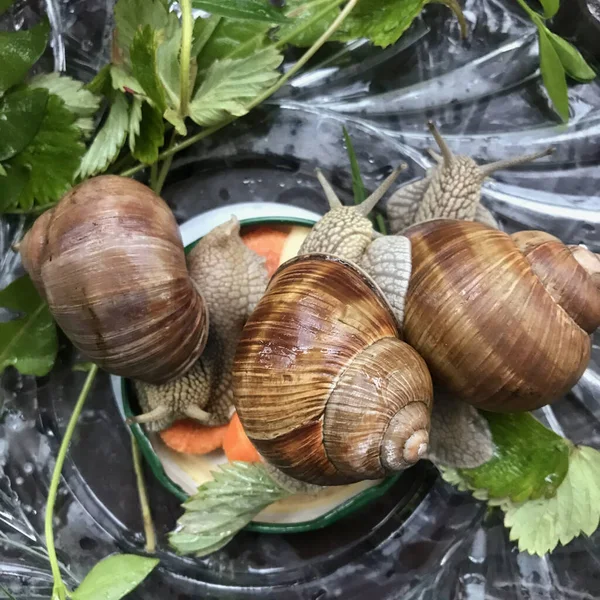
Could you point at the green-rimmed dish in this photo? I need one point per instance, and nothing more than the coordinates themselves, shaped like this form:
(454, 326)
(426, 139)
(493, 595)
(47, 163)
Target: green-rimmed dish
(181, 474)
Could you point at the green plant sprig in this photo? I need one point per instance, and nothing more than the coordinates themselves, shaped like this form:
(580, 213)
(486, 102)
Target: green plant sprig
(558, 58)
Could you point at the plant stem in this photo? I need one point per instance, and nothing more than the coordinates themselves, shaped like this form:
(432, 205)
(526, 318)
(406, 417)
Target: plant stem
(164, 170)
(149, 531)
(308, 23)
(60, 590)
(528, 9)
(187, 31)
(280, 83)
(153, 175)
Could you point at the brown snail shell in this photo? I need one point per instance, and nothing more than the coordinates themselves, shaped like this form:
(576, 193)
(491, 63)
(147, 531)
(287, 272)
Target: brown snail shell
(323, 386)
(502, 321)
(110, 262)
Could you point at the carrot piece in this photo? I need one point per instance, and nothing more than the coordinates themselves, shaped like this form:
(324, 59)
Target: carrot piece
(189, 437)
(236, 444)
(267, 242)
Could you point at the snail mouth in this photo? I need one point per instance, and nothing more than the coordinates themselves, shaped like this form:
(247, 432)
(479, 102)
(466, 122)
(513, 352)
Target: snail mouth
(406, 439)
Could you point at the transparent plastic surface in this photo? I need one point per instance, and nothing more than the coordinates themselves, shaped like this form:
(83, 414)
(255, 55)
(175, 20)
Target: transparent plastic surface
(422, 540)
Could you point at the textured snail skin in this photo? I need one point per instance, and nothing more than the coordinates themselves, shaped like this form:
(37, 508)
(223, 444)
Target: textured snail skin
(233, 279)
(451, 189)
(502, 321)
(323, 387)
(110, 263)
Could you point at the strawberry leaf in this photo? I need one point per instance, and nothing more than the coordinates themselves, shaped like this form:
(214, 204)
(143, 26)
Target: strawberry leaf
(108, 141)
(76, 97)
(28, 343)
(230, 85)
(144, 65)
(21, 115)
(52, 157)
(150, 137)
(251, 10)
(220, 508)
(19, 51)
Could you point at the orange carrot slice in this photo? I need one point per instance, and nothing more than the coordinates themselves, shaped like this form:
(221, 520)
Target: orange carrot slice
(236, 444)
(189, 437)
(267, 242)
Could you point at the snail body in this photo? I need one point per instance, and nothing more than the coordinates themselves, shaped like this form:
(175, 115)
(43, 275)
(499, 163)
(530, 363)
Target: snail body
(233, 279)
(109, 261)
(451, 189)
(503, 321)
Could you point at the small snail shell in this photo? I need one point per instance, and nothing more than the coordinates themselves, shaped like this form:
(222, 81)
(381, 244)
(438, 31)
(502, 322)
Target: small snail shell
(502, 321)
(110, 263)
(323, 386)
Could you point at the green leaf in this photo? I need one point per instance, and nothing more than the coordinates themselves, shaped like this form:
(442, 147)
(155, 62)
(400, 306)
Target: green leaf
(553, 73)
(21, 115)
(300, 12)
(357, 183)
(237, 39)
(19, 51)
(108, 141)
(135, 121)
(5, 5)
(572, 61)
(173, 117)
(529, 461)
(76, 97)
(2, 171)
(131, 15)
(381, 21)
(28, 343)
(114, 577)
(144, 65)
(101, 84)
(550, 7)
(169, 69)
(222, 507)
(249, 10)
(540, 525)
(151, 136)
(52, 157)
(203, 31)
(126, 83)
(12, 185)
(230, 85)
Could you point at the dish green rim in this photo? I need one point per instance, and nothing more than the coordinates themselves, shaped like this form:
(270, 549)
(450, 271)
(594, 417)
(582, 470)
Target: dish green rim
(335, 514)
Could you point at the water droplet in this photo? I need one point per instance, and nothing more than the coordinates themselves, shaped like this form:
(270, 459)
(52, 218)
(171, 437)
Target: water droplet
(282, 185)
(19, 481)
(28, 468)
(246, 181)
(28, 508)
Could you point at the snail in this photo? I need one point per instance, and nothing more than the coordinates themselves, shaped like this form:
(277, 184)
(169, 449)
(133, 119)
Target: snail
(452, 189)
(233, 279)
(502, 321)
(109, 261)
(324, 387)
(111, 264)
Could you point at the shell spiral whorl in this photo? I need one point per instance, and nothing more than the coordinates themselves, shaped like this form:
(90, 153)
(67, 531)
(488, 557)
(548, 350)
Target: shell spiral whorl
(323, 387)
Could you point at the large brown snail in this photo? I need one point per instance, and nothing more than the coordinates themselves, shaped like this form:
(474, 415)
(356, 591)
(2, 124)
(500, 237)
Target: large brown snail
(109, 261)
(503, 321)
(323, 385)
(111, 264)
